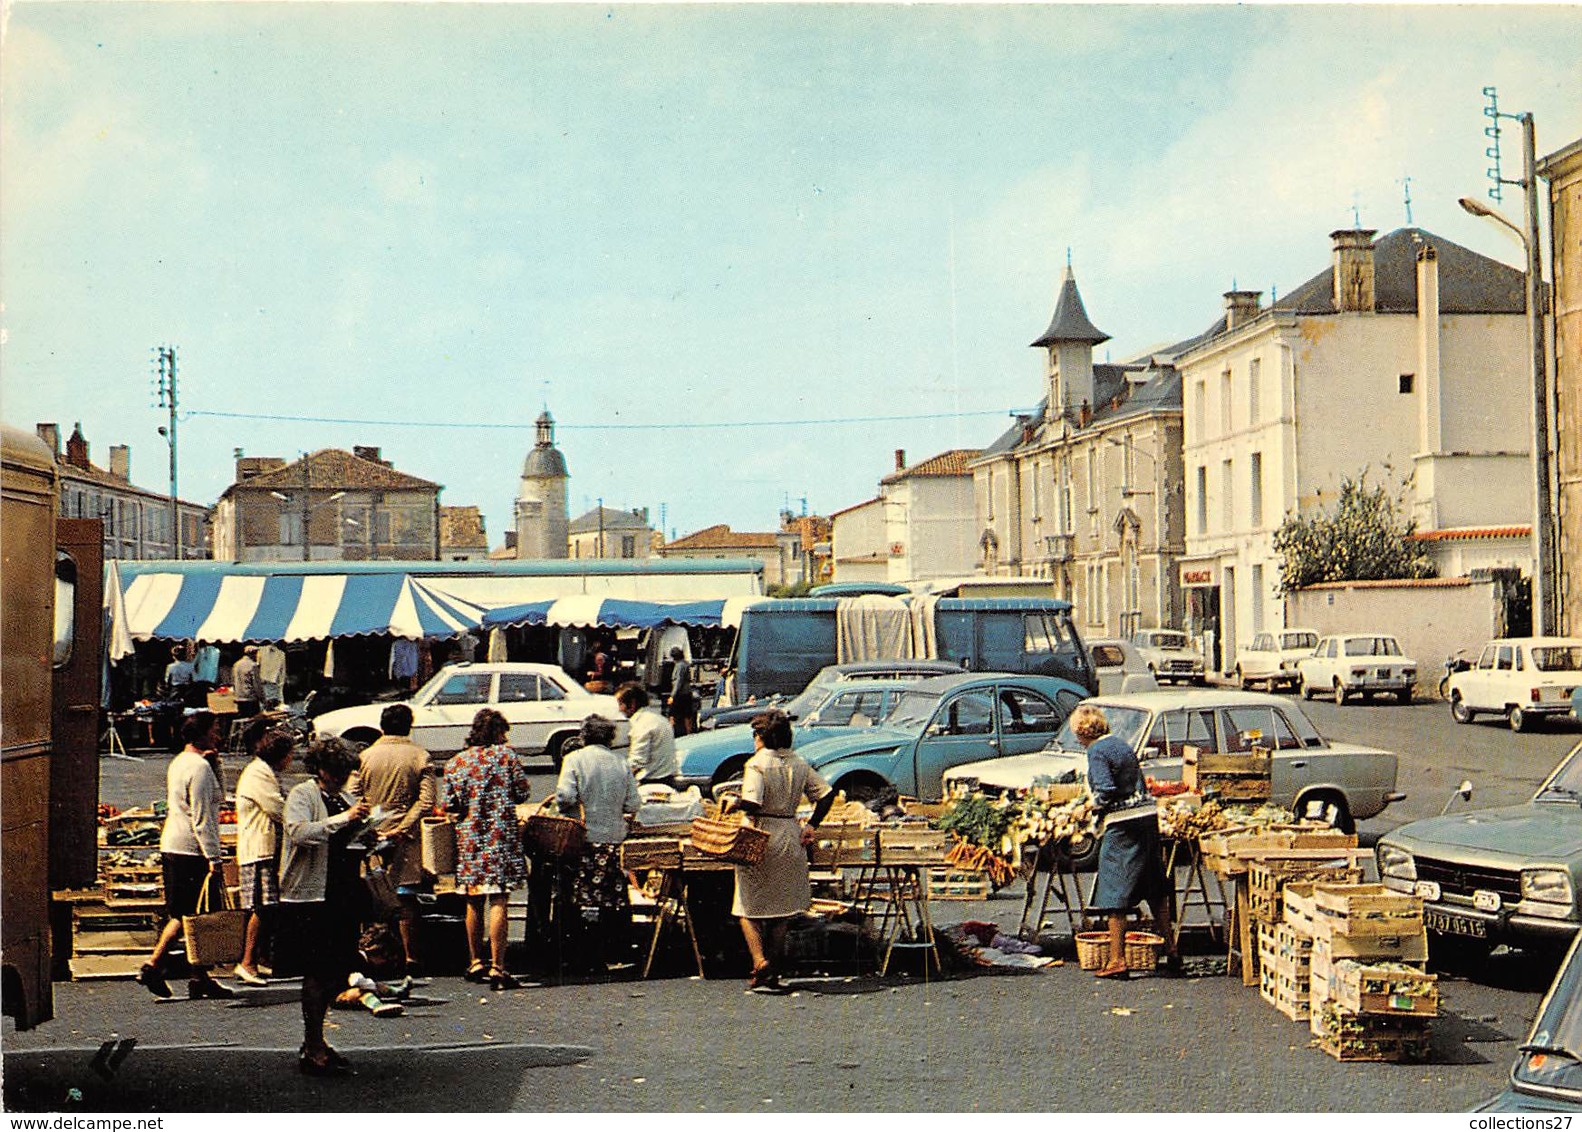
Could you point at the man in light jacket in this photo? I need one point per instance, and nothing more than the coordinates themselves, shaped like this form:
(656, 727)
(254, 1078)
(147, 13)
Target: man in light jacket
(394, 773)
(189, 851)
(260, 809)
(651, 753)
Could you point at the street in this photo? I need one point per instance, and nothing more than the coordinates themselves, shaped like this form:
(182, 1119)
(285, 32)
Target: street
(1055, 1039)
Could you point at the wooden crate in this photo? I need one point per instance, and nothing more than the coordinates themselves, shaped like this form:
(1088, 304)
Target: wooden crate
(842, 845)
(1409, 949)
(1366, 989)
(912, 807)
(1297, 908)
(1359, 910)
(1232, 777)
(912, 845)
(1227, 851)
(956, 884)
(651, 853)
(1286, 991)
(1268, 876)
(1348, 1036)
(1218, 850)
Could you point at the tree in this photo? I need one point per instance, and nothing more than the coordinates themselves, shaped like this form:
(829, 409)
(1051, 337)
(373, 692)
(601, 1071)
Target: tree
(794, 589)
(1362, 539)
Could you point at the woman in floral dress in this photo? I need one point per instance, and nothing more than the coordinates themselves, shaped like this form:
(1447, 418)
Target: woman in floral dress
(483, 785)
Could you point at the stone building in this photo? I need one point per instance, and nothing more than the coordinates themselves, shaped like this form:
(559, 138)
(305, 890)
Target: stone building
(136, 520)
(779, 554)
(918, 528)
(462, 537)
(1086, 491)
(609, 532)
(1563, 172)
(1405, 358)
(542, 515)
(328, 505)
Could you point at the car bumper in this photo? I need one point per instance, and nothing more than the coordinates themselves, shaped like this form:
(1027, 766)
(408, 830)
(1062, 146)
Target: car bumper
(1366, 684)
(686, 781)
(1459, 921)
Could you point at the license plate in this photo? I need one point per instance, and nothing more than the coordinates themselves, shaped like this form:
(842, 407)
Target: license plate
(1448, 923)
(1485, 901)
(1426, 889)
(1383, 674)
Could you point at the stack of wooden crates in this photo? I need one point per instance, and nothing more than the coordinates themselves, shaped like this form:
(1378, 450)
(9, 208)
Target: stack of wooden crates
(1369, 998)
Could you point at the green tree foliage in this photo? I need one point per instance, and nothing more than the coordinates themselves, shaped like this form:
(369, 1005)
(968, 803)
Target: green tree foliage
(1362, 539)
(795, 589)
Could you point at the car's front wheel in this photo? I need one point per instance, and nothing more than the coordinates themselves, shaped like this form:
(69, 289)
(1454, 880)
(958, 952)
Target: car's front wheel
(361, 736)
(861, 786)
(555, 749)
(1459, 711)
(1327, 807)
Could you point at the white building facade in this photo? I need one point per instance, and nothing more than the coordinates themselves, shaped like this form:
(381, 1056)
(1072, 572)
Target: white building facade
(1406, 361)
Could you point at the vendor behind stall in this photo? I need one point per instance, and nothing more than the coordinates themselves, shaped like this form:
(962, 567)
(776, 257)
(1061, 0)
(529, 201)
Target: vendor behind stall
(596, 779)
(1130, 869)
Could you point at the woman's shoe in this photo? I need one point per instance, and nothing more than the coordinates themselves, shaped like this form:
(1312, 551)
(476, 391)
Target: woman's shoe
(1113, 971)
(251, 978)
(151, 977)
(762, 976)
(208, 988)
(499, 980)
(477, 973)
(322, 1066)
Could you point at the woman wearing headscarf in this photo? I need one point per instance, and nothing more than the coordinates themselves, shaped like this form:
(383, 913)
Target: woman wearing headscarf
(483, 785)
(769, 893)
(1130, 869)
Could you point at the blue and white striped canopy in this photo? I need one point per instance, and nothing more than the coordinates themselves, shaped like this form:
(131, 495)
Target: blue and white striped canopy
(217, 607)
(615, 613)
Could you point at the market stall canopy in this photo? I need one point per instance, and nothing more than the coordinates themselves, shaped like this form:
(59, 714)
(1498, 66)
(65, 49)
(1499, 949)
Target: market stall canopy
(612, 613)
(223, 602)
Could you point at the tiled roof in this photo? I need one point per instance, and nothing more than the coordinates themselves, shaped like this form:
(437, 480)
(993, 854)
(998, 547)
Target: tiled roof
(721, 537)
(956, 462)
(95, 474)
(335, 468)
(1457, 534)
(614, 520)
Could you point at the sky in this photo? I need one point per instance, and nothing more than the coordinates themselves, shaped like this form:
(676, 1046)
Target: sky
(742, 253)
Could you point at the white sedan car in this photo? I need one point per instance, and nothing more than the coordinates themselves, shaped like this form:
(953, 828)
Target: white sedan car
(1520, 678)
(543, 705)
(1271, 658)
(1169, 655)
(1357, 664)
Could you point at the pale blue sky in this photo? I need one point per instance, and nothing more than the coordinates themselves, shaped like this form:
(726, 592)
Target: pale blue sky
(656, 214)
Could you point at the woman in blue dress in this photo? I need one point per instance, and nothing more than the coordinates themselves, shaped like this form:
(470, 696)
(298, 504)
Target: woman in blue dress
(1130, 868)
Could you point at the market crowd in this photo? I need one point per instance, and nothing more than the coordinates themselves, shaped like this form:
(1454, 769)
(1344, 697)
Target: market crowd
(342, 850)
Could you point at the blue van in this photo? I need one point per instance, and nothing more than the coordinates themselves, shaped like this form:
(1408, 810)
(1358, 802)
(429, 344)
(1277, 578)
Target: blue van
(782, 644)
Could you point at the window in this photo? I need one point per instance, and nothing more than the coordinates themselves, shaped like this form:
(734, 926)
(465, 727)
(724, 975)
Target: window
(549, 691)
(1254, 381)
(291, 528)
(1176, 729)
(1108, 656)
(1486, 658)
(1034, 511)
(971, 713)
(1200, 400)
(1038, 634)
(1128, 464)
(1202, 500)
(628, 546)
(1255, 477)
(1227, 484)
(1224, 402)
(1407, 381)
(1248, 727)
(1257, 596)
(1022, 713)
(65, 609)
(1093, 484)
(518, 688)
(851, 709)
(1067, 526)
(1502, 662)
(465, 688)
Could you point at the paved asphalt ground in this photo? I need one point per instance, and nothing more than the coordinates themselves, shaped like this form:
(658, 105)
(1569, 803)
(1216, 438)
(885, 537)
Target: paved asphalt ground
(1055, 1039)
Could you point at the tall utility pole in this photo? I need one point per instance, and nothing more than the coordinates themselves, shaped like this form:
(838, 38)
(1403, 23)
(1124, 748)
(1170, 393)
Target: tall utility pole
(306, 513)
(166, 388)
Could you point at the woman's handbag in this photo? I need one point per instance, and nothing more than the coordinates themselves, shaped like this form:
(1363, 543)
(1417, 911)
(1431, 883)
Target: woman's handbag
(550, 835)
(439, 846)
(217, 938)
(729, 838)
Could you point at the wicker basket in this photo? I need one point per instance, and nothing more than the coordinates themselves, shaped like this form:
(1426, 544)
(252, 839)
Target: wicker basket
(550, 835)
(1142, 950)
(1093, 950)
(729, 839)
(438, 846)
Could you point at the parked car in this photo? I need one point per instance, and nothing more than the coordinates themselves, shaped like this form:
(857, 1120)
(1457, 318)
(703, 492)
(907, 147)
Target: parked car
(941, 723)
(1120, 667)
(818, 687)
(1521, 678)
(1170, 655)
(1271, 658)
(1357, 664)
(847, 705)
(1510, 874)
(543, 705)
(1547, 1076)
(1332, 782)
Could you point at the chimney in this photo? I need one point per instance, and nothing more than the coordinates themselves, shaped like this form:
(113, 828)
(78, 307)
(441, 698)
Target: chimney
(249, 466)
(1084, 415)
(900, 459)
(50, 435)
(1241, 307)
(121, 461)
(1353, 268)
(366, 452)
(77, 448)
(642, 513)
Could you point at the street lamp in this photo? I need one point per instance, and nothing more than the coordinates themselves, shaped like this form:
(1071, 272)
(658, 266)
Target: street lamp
(307, 508)
(1544, 603)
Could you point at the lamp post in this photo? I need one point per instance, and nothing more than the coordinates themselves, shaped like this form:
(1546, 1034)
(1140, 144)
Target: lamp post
(1544, 604)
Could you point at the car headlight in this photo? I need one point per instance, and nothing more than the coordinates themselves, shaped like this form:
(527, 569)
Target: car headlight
(1547, 886)
(1396, 862)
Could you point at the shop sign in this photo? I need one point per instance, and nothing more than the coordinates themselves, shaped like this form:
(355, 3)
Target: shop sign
(1199, 574)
